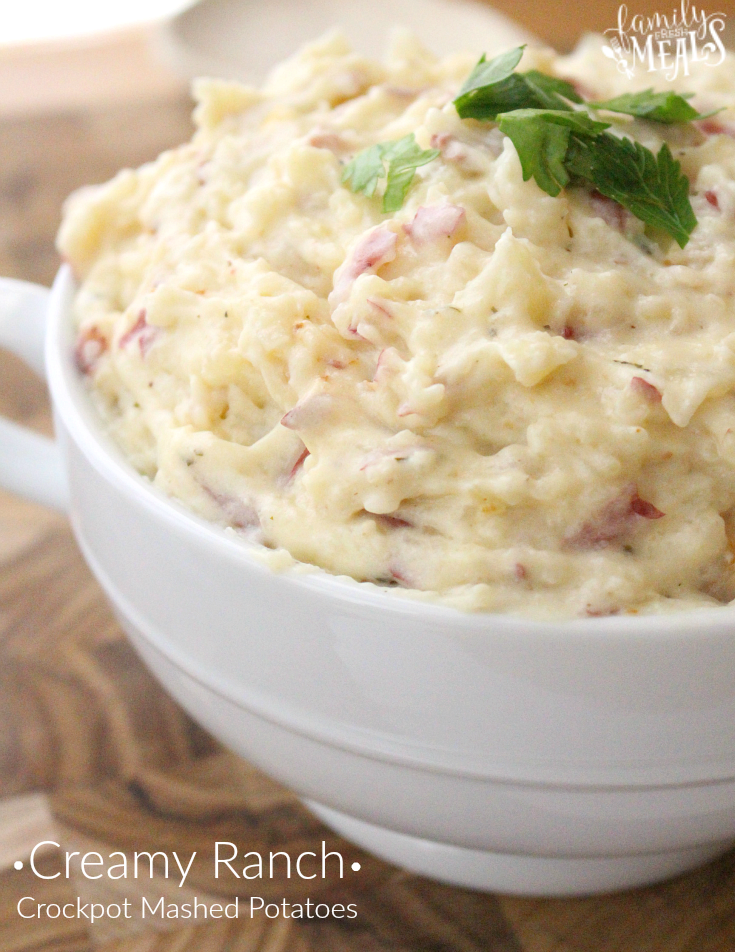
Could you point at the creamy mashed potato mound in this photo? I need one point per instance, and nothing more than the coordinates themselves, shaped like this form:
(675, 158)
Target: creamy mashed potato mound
(492, 397)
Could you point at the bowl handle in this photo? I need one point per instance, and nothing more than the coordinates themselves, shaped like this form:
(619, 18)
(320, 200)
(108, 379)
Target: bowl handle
(30, 464)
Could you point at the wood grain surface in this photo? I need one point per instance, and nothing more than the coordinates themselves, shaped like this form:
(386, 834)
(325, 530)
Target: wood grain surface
(95, 756)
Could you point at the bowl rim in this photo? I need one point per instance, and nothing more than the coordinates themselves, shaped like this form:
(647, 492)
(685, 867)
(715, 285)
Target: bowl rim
(73, 407)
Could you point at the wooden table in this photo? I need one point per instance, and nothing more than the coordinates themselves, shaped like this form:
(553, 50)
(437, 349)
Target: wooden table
(95, 756)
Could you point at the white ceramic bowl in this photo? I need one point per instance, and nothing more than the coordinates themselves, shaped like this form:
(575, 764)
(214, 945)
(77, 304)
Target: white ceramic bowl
(483, 750)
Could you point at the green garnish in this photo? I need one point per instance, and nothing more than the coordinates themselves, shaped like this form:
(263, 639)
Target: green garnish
(396, 162)
(493, 87)
(541, 138)
(559, 144)
(668, 108)
(550, 91)
(650, 186)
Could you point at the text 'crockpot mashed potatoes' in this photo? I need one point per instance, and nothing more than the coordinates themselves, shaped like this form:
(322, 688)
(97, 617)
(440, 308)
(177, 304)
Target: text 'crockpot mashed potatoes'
(511, 401)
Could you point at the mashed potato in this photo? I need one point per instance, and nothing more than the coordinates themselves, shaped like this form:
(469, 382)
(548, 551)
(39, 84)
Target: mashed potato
(506, 401)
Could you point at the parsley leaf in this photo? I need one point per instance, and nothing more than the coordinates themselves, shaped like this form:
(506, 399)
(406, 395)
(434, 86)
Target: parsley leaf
(364, 172)
(542, 148)
(541, 139)
(402, 158)
(666, 107)
(651, 186)
(493, 88)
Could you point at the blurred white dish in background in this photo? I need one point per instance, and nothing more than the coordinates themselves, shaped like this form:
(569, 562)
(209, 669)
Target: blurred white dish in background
(39, 21)
(243, 39)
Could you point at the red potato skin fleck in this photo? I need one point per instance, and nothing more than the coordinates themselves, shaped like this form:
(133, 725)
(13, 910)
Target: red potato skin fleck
(646, 389)
(374, 302)
(374, 249)
(568, 333)
(240, 514)
(90, 346)
(327, 140)
(609, 210)
(144, 332)
(392, 522)
(378, 248)
(712, 198)
(400, 576)
(402, 92)
(613, 521)
(139, 325)
(381, 360)
(520, 572)
(450, 147)
(440, 140)
(309, 412)
(646, 509)
(297, 465)
(715, 127)
(433, 222)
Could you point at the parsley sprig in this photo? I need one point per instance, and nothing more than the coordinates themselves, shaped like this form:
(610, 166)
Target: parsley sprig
(559, 144)
(396, 162)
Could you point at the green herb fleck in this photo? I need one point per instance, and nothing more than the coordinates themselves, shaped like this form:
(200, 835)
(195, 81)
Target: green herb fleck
(396, 162)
